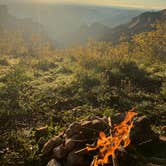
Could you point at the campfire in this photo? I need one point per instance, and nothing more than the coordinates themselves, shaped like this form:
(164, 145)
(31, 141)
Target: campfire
(77, 145)
(119, 136)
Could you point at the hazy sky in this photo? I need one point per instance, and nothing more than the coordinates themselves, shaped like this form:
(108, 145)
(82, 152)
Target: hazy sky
(155, 4)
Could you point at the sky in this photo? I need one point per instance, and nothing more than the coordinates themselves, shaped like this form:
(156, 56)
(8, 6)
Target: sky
(147, 4)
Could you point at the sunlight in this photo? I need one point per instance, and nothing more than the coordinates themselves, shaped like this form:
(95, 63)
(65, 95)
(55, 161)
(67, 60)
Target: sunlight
(149, 4)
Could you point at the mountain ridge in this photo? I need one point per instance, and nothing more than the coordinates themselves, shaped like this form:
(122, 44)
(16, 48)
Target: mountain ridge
(61, 21)
(141, 23)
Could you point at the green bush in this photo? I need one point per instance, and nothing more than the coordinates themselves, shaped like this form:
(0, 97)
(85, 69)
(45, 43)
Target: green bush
(14, 81)
(4, 62)
(45, 65)
(163, 91)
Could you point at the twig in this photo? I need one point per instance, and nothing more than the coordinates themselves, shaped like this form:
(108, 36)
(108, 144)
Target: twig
(84, 149)
(110, 124)
(140, 144)
(77, 140)
(114, 158)
(79, 151)
(92, 163)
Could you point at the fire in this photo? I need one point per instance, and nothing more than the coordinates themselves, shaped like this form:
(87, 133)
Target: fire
(119, 136)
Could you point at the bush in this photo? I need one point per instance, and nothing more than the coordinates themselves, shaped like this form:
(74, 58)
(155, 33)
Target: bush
(139, 77)
(4, 62)
(163, 91)
(45, 65)
(14, 81)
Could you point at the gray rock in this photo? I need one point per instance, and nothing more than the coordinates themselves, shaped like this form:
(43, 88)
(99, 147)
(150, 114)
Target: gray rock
(86, 123)
(50, 144)
(92, 128)
(53, 162)
(70, 144)
(117, 118)
(142, 132)
(59, 152)
(74, 159)
(73, 129)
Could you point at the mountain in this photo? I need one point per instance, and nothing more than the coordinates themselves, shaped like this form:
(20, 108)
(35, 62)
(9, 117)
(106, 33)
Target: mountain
(121, 17)
(25, 27)
(71, 24)
(60, 21)
(11, 23)
(22, 36)
(86, 32)
(141, 23)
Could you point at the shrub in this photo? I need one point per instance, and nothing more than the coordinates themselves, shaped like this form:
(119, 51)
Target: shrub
(14, 81)
(45, 65)
(4, 62)
(163, 91)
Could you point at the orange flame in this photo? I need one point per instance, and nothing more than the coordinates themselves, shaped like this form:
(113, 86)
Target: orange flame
(119, 137)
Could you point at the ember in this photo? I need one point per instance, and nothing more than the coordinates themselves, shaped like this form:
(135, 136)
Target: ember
(119, 136)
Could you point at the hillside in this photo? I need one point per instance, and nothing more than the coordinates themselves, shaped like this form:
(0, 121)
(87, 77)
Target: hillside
(84, 33)
(141, 23)
(100, 32)
(13, 24)
(22, 36)
(61, 21)
(55, 87)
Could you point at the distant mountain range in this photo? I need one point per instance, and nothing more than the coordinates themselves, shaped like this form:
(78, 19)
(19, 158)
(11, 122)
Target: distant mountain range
(72, 25)
(62, 21)
(141, 23)
(24, 26)
(11, 23)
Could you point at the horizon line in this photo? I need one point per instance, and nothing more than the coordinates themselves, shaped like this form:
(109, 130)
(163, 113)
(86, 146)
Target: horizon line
(88, 4)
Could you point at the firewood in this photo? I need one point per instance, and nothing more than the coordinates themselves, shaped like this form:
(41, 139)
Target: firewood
(79, 151)
(145, 142)
(114, 160)
(114, 157)
(92, 163)
(85, 149)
